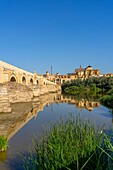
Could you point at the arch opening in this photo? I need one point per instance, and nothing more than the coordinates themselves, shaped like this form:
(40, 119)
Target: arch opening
(63, 81)
(23, 80)
(13, 79)
(37, 81)
(31, 81)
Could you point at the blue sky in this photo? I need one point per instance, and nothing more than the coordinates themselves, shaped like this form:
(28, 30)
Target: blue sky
(35, 34)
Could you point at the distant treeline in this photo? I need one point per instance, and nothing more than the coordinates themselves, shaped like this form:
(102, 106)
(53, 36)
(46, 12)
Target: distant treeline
(92, 87)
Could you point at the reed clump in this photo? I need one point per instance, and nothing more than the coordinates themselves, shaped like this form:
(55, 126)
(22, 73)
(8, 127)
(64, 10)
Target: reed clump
(3, 143)
(72, 145)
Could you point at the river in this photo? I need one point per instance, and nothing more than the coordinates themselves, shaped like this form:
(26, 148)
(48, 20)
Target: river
(28, 120)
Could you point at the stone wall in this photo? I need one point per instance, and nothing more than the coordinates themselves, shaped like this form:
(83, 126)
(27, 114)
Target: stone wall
(12, 92)
(48, 88)
(4, 99)
(19, 93)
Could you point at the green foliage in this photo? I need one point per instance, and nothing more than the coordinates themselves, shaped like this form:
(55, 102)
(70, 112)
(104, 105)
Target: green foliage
(3, 143)
(72, 90)
(104, 83)
(81, 90)
(72, 145)
(107, 100)
(110, 92)
(92, 87)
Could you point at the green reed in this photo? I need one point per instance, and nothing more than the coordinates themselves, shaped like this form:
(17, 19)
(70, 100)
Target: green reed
(3, 143)
(72, 145)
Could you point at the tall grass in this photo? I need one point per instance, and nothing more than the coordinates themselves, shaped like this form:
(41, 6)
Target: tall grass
(72, 145)
(3, 143)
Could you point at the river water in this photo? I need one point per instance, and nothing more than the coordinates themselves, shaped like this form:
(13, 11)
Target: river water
(47, 110)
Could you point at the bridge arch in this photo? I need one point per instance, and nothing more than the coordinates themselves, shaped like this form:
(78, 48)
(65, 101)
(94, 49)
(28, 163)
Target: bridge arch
(13, 78)
(37, 82)
(23, 80)
(31, 81)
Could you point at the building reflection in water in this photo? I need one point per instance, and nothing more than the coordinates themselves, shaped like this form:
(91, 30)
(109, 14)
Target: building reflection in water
(79, 103)
(21, 113)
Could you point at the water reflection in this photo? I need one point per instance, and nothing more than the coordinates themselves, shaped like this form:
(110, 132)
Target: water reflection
(25, 119)
(79, 103)
(21, 113)
(3, 156)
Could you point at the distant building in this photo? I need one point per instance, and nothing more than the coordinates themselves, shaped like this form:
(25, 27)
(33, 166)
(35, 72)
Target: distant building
(79, 73)
(108, 75)
(86, 72)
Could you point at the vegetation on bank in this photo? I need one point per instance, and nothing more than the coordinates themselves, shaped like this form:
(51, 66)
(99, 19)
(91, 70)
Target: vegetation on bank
(71, 145)
(103, 83)
(107, 99)
(3, 143)
(75, 90)
(92, 87)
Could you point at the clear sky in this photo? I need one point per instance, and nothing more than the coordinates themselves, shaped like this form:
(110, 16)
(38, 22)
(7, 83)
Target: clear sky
(35, 34)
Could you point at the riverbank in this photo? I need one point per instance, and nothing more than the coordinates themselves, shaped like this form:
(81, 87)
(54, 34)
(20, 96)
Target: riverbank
(92, 87)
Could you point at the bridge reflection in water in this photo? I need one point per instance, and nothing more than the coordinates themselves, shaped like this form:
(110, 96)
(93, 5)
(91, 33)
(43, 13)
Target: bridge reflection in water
(19, 124)
(21, 113)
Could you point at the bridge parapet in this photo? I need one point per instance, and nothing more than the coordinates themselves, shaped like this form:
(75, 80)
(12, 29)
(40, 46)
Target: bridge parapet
(11, 73)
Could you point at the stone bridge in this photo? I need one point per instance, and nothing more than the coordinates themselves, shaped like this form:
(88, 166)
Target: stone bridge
(14, 74)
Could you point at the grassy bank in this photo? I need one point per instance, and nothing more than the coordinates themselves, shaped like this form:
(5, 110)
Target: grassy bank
(72, 145)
